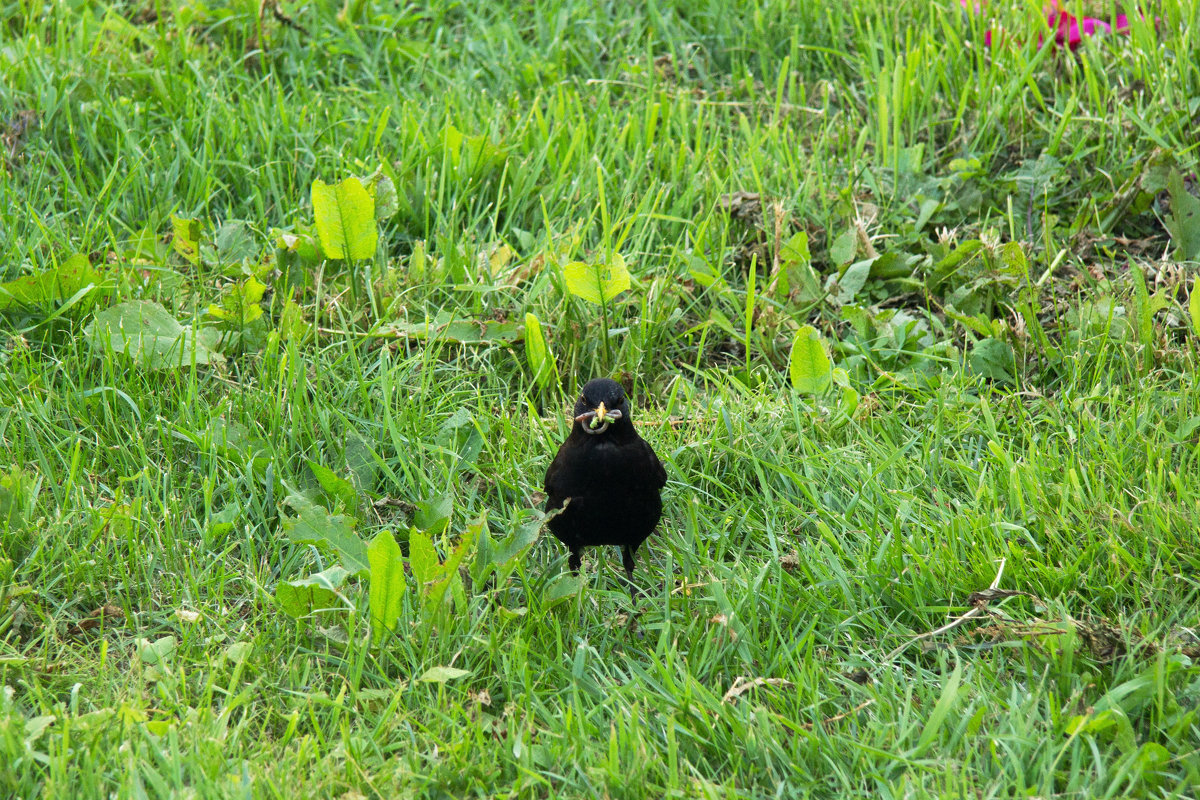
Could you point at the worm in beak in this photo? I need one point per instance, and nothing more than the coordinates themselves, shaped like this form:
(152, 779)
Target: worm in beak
(597, 421)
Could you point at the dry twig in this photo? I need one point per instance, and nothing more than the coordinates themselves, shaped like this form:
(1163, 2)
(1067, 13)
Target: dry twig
(808, 726)
(979, 601)
(742, 684)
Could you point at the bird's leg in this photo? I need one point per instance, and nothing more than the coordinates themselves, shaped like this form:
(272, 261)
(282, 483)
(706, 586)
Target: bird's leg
(627, 560)
(574, 561)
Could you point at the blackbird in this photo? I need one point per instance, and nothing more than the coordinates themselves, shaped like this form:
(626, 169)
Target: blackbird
(610, 475)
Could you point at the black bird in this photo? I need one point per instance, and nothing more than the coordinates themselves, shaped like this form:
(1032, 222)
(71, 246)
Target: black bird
(611, 476)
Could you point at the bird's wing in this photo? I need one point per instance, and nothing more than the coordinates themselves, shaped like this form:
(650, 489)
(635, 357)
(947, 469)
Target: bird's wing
(659, 473)
(555, 491)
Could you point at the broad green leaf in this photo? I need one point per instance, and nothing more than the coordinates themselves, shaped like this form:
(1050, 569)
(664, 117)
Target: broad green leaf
(448, 572)
(129, 712)
(17, 492)
(345, 216)
(51, 288)
(499, 257)
(157, 651)
(795, 250)
(1153, 762)
(1133, 694)
(442, 674)
(955, 261)
(234, 440)
(433, 515)
(93, 720)
(978, 324)
(387, 584)
(994, 358)
(445, 328)
(234, 242)
(361, 462)
(1013, 260)
(717, 317)
(851, 282)
(297, 248)
(240, 305)
(383, 192)
(597, 283)
(36, 726)
(843, 248)
(1184, 222)
(465, 545)
(517, 543)
(335, 485)
(1194, 305)
(850, 395)
(292, 324)
(237, 652)
(470, 332)
(809, 365)
(186, 238)
(561, 588)
(703, 274)
(1144, 316)
(419, 262)
(314, 524)
(434, 578)
(928, 207)
(892, 265)
(860, 320)
(502, 556)
(148, 334)
(470, 156)
(803, 282)
(541, 360)
(146, 247)
(1107, 725)
(423, 558)
(318, 591)
(1102, 316)
(158, 727)
(463, 434)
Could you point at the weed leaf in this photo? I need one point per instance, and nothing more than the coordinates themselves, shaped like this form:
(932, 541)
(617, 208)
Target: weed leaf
(1194, 305)
(993, 358)
(313, 524)
(809, 365)
(298, 598)
(345, 216)
(442, 674)
(51, 288)
(147, 333)
(596, 282)
(541, 360)
(387, 584)
(1184, 222)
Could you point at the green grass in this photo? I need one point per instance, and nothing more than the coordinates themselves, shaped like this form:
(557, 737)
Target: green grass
(1026, 412)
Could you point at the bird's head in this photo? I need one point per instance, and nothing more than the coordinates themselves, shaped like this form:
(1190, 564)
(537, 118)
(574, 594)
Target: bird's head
(601, 403)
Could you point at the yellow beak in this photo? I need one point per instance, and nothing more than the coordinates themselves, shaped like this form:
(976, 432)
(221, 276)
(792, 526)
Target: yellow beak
(601, 412)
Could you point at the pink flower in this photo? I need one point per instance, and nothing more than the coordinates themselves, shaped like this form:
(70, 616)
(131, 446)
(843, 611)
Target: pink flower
(1069, 30)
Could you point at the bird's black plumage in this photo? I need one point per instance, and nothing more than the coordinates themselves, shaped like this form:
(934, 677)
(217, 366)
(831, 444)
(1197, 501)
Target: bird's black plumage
(610, 474)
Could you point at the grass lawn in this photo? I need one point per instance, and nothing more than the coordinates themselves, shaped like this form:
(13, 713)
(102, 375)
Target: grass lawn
(295, 299)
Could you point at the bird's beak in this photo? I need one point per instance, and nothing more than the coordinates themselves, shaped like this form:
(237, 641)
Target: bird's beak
(598, 420)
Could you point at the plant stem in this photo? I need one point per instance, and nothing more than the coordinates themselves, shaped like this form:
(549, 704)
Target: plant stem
(608, 360)
(750, 281)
